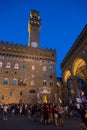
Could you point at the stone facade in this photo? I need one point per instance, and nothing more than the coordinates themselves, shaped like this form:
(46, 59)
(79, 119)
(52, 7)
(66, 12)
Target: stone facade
(74, 67)
(27, 73)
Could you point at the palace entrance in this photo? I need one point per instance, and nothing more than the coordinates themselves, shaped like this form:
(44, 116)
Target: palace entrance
(43, 95)
(44, 98)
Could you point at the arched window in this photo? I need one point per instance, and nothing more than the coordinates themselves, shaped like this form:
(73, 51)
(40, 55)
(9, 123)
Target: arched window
(51, 83)
(8, 65)
(23, 66)
(44, 76)
(14, 81)
(16, 66)
(44, 83)
(5, 81)
(50, 69)
(44, 68)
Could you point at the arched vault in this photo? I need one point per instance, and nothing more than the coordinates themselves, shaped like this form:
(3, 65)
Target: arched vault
(66, 75)
(79, 68)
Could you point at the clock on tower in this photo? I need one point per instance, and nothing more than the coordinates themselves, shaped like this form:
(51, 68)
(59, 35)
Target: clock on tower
(34, 44)
(34, 29)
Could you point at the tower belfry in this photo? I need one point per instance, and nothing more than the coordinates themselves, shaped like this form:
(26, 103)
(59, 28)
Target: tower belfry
(34, 29)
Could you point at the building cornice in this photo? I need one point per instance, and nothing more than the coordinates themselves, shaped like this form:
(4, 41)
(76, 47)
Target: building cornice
(77, 43)
(16, 50)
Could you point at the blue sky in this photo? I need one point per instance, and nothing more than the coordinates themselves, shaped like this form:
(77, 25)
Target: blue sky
(62, 22)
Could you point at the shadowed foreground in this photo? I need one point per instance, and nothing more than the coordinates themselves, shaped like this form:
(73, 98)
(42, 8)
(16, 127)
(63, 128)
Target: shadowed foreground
(23, 123)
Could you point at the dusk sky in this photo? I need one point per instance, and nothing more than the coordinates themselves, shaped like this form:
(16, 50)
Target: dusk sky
(61, 23)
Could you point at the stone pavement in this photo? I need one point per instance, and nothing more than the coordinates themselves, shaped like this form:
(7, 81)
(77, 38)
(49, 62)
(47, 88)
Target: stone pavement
(23, 123)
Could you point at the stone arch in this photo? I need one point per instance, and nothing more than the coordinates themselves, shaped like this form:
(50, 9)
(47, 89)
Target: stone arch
(66, 75)
(79, 68)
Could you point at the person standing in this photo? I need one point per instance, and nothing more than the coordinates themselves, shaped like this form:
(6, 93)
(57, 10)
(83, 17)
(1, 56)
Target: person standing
(56, 114)
(5, 112)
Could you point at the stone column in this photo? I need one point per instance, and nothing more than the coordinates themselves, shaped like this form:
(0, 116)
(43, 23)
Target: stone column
(75, 86)
(65, 93)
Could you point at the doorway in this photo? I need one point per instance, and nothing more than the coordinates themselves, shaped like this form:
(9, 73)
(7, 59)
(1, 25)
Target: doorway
(44, 99)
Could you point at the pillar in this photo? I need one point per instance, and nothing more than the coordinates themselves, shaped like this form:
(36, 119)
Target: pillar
(75, 86)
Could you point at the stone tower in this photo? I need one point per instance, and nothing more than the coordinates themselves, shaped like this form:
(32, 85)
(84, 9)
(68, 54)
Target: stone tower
(34, 29)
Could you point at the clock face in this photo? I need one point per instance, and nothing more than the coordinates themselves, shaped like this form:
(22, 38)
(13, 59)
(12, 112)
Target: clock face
(34, 44)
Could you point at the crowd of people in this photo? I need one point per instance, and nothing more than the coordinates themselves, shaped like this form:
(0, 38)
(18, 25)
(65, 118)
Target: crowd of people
(47, 113)
(83, 114)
